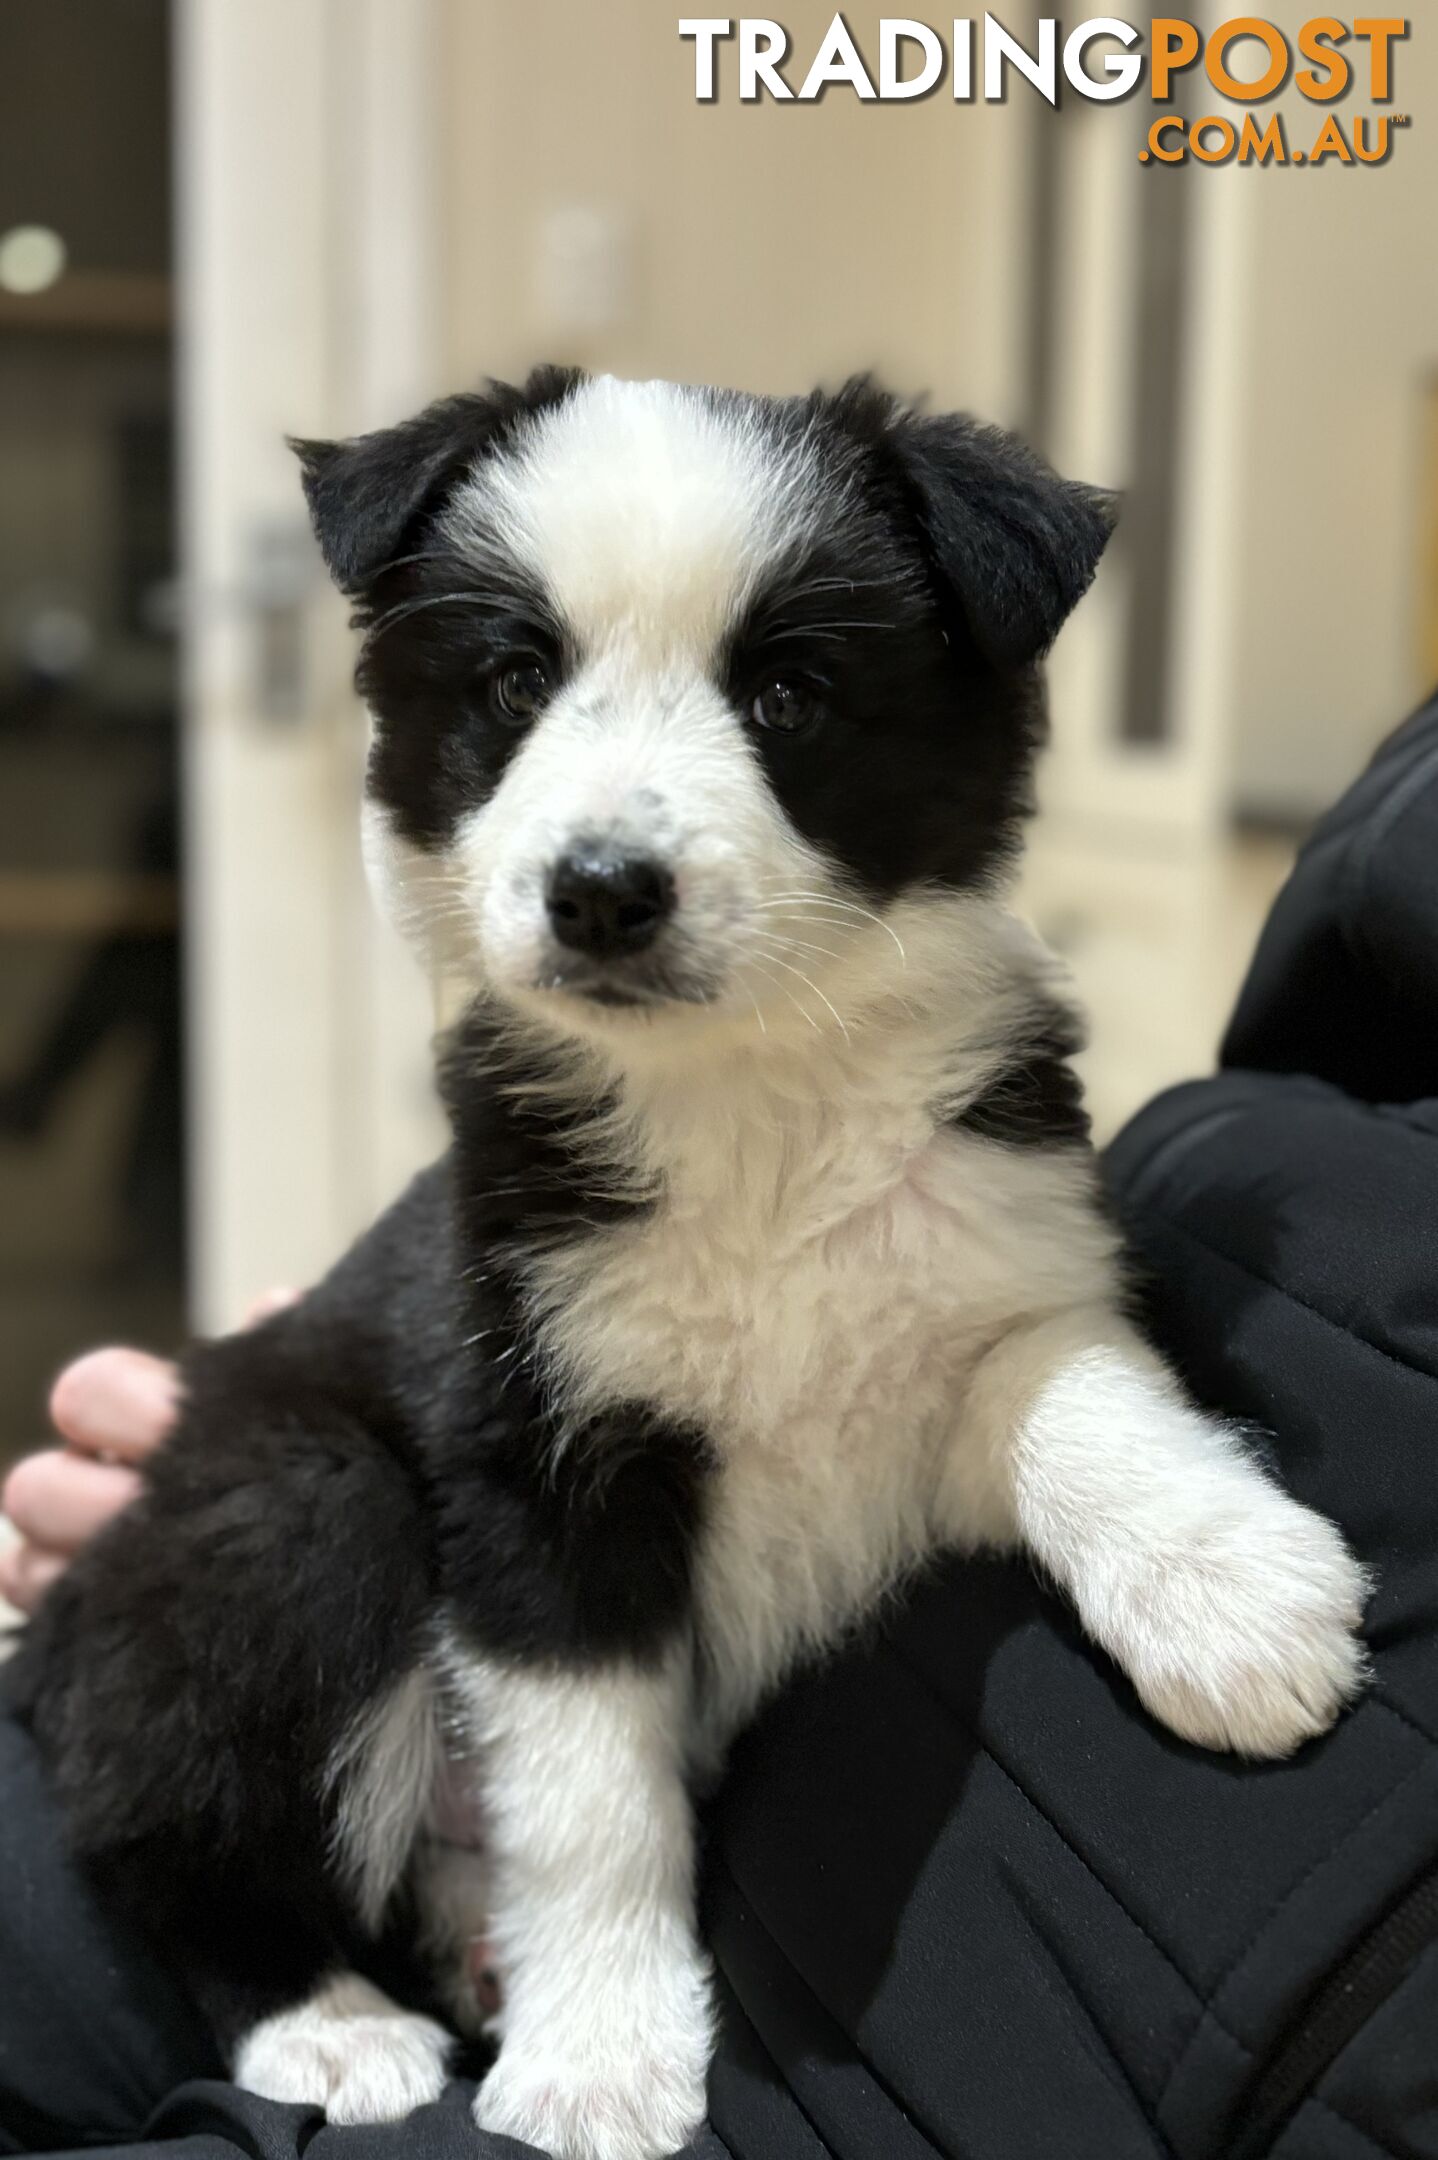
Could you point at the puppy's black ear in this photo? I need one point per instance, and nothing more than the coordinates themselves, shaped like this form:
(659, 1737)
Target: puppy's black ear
(367, 493)
(1017, 544)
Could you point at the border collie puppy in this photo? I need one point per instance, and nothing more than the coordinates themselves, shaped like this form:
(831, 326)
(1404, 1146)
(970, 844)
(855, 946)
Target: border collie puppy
(768, 1259)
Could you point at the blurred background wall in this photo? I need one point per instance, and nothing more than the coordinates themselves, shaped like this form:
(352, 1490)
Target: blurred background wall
(310, 214)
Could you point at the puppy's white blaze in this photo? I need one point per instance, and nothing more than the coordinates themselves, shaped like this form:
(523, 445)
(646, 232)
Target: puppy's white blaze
(655, 765)
(383, 1773)
(649, 504)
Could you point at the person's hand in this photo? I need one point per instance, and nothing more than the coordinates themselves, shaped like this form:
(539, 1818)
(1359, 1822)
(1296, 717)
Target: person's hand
(112, 1408)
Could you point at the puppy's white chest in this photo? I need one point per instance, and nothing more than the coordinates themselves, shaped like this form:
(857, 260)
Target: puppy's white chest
(817, 1315)
(820, 1343)
(754, 1317)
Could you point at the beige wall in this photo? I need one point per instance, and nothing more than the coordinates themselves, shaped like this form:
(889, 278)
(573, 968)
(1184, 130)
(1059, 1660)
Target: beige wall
(1340, 325)
(771, 246)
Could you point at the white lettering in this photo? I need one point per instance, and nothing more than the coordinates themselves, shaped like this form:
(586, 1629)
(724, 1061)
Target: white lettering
(1000, 46)
(760, 63)
(1122, 69)
(706, 30)
(837, 60)
(895, 31)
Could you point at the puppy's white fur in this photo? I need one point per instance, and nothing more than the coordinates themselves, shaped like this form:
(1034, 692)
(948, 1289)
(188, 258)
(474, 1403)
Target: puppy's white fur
(649, 513)
(605, 2025)
(349, 2050)
(384, 1773)
(1231, 1608)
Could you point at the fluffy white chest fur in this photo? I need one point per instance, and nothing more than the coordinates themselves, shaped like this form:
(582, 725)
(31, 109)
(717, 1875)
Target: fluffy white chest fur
(822, 1270)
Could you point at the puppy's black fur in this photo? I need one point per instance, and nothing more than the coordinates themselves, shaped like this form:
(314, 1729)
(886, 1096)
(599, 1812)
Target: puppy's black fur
(382, 1452)
(1036, 1099)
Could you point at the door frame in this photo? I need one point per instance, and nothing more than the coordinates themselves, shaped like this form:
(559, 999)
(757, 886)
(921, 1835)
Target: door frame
(1093, 778)
(307, 194)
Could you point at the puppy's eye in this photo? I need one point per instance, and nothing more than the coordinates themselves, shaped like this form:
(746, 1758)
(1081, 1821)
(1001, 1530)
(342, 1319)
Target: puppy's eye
(785, 707)
(521, 687)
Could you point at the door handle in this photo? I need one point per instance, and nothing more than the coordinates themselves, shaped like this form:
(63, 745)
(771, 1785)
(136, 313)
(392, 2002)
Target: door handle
(283, 573)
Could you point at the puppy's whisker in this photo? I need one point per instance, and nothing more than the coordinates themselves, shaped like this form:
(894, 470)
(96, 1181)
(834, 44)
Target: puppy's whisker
(851, 907)
(485, 602)
(832, 630)
(825, 923)
(420, 555)
(793, 911)
(787, 906)
(406, 608)
(837, 625)
(809, 984)
(789, 944)
(805, 892)
(838, 584)
(755, 962)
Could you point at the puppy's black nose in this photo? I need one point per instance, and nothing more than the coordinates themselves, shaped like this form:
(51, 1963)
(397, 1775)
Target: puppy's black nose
(602, 903)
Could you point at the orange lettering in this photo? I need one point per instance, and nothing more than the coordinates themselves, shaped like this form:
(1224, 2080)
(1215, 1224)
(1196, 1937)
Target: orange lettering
(1156, 134)
(1175, 46)
(1247, 26)
(1269, 144)
(1330, 143)
(1315, 41)
(1380, 31)
(1226, 134)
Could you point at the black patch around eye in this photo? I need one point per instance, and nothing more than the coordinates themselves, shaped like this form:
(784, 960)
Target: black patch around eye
(438, 639)
(919, 773)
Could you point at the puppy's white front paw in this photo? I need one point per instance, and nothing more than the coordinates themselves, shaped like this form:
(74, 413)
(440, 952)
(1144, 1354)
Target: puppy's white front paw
(631, 2089)
(349, 2050)
(1246, 1637)
(643, 2109)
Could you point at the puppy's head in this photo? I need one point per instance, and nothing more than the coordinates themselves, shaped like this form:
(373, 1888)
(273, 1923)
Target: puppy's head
(678, 692)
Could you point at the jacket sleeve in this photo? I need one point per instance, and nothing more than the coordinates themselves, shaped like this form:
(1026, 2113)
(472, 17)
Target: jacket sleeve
(1344, 984)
